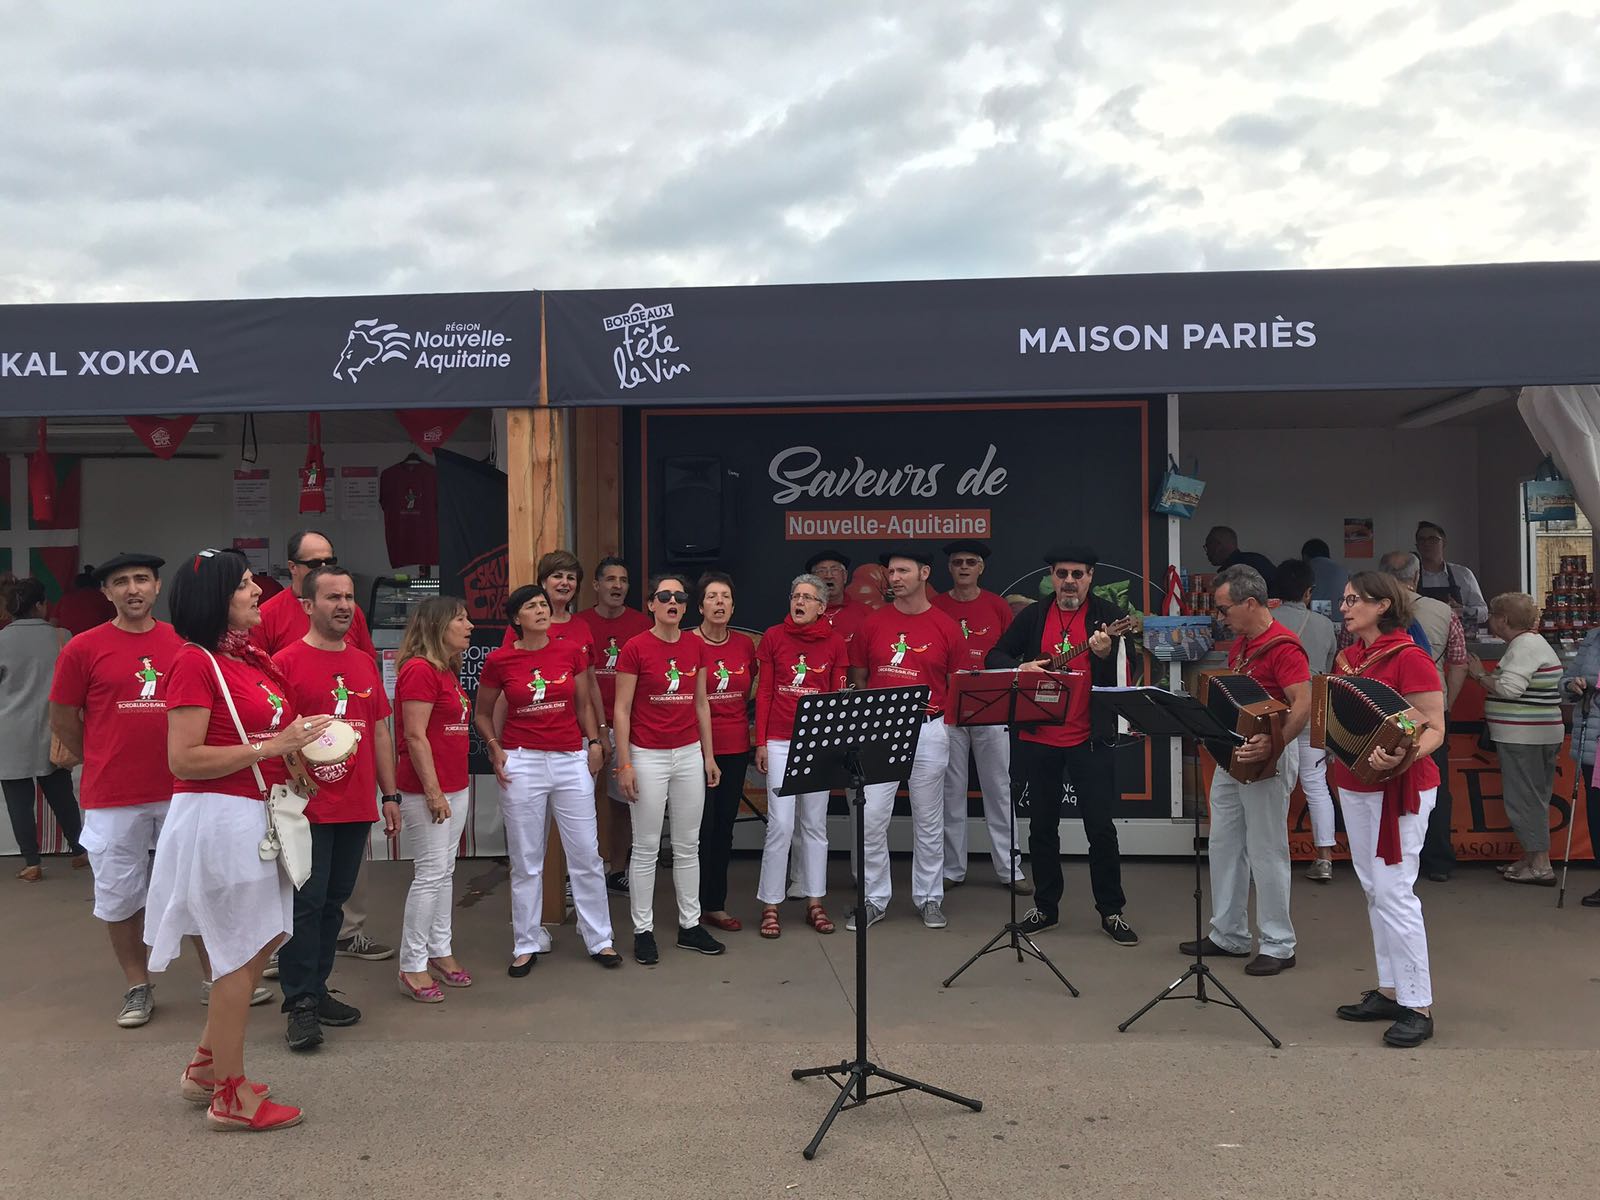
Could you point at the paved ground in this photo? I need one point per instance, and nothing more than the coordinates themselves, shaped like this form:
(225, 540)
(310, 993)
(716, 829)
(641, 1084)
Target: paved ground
(674, 1081)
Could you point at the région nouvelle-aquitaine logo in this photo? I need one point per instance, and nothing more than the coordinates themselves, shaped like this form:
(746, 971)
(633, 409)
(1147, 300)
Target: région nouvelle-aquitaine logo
(459, 345)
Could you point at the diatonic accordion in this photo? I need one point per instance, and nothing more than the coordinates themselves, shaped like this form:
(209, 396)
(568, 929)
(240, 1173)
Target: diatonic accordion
(1352, 716)
(1243, 705)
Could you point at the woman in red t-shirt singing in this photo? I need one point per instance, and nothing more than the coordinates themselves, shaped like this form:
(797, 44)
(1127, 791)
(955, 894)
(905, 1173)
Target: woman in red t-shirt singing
(208, 877)
(546, 757)
(801, 657)
(663, 728)
(432, 774)
(730, 658)
(1386, 826)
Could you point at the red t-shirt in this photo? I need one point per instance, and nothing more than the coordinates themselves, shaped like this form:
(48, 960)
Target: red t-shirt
(847, 618)
(408, 493)
(663, 701)
(119, 680)
(1276, 669)
(344, 684)
(789, 668)
(541, 691)
(1061, 631)
(81, 609)
(1409, 672)
(607, 637)
(284, 622)
(730, 676)
(264, 712)
(447, 724)
(982, 620)
(905, 651)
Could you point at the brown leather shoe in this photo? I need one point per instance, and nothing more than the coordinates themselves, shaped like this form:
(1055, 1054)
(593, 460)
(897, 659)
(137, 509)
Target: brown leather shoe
(1265, 964)
(1209, 949)
(31, 874)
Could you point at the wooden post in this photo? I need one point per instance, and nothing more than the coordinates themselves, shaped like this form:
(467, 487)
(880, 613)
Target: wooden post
(536, 522)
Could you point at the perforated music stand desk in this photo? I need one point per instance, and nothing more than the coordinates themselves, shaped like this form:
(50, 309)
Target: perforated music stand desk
(1157, 712)
(848, 740)
(1013, 697)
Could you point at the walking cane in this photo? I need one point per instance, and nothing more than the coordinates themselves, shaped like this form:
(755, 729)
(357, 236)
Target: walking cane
(1572, 805)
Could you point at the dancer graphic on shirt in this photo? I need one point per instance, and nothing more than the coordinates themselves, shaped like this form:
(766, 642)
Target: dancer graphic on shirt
(800, 669)
(275, 701)
(342, 694)
(674, 676)
(147, 675)
(723, 675)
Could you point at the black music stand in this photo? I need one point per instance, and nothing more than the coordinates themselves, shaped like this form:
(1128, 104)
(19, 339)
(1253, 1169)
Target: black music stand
(848, 740)
(1156, 712)
(1012, 698)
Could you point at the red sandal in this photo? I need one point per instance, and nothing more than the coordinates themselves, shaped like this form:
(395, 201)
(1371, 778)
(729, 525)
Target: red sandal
(197, 1089)
(817, 918)
(268, 1115)
(770, 925)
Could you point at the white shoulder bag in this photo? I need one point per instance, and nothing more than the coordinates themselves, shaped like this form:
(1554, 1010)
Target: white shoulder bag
(288, 832)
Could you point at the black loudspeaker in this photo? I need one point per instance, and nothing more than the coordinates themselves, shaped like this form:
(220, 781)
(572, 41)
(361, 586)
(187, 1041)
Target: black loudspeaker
(692, 508)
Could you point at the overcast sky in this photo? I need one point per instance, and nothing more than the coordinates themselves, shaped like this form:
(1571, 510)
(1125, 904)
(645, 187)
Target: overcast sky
(158, 150)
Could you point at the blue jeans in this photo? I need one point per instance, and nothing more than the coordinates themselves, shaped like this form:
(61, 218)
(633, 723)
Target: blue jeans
(306, 959)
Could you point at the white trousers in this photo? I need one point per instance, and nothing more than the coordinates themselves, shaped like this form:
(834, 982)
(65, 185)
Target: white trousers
(668, 781)
(119, 841)
(798, 821)
(990, 747)
(927, 821)
(1249, 840)
(432, 850)
(1314, 784)
(543, 783)
(1399, 938)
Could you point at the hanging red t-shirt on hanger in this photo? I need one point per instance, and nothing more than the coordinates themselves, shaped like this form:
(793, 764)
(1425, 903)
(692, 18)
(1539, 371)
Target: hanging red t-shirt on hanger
(409, 495)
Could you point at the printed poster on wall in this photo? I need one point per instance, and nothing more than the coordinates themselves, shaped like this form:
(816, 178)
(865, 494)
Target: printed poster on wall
(359, 486)
(252, 500)
(1358, 537)
(257, 553)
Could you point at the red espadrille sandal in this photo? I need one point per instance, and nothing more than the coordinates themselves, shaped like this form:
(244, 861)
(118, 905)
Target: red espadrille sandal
(224, 1111)
(197, 1085)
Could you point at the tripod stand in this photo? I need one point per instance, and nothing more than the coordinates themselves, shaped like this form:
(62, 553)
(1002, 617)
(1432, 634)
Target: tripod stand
(832, 738)
(1154, 711)
(983, 700)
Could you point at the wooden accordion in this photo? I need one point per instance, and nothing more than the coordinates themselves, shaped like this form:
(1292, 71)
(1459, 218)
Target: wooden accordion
(1350, 716)
(1243, 705)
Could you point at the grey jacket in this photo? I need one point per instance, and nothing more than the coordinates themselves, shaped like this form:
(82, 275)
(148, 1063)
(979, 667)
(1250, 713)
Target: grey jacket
(1585, 666)
(28, 651)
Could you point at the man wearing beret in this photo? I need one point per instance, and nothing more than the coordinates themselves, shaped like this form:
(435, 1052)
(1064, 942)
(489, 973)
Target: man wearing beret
(1074, 631)
(983, 617)
(832, 566)
(906, 644)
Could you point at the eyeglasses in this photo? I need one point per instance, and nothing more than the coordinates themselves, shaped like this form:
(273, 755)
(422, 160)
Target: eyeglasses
(806, 596)
(666, 597)
(1078, 573)
(1222, 610)
(1351, 601)
(313, 563)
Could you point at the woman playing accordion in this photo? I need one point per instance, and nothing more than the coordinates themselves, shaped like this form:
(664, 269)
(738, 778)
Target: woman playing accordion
(1386, 820)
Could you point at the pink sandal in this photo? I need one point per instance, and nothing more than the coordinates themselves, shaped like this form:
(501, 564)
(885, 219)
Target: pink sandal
(455, 979)
(422, 995)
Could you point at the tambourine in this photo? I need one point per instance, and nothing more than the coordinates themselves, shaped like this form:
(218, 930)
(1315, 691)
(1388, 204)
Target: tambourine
(335, 745)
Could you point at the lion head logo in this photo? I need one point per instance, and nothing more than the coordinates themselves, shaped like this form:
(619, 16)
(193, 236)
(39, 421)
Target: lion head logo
(368, 342)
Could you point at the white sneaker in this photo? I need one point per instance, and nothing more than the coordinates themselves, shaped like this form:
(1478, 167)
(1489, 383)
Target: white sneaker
(270, 971)
(138, 1002)
(1320, 870)
(260, 996)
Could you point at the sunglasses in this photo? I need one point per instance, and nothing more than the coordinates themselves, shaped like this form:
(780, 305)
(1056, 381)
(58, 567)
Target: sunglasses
(966, 562)
(666, 597)
(1072, 574)
(313, 563)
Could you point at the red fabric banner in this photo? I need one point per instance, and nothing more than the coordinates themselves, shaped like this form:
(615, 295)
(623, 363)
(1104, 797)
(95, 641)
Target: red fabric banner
(163, 435)
(430, 428)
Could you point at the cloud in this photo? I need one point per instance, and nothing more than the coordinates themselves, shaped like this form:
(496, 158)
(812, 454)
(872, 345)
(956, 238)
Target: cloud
(172, 150)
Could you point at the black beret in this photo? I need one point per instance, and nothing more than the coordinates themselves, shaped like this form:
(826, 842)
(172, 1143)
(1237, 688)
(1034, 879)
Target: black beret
(969, 546)
(127, 559)
(915, 553)
(827, 554)
(1083, 554)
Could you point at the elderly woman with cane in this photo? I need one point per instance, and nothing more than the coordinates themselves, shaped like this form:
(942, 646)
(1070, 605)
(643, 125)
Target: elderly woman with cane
(1523, 711)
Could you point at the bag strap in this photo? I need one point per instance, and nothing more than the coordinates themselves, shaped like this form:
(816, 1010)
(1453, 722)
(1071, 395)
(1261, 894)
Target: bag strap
(1257, 651)
(1344, 667)
(227, 698)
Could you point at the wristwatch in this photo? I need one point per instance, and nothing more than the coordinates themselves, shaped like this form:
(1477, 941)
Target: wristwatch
(394, 799)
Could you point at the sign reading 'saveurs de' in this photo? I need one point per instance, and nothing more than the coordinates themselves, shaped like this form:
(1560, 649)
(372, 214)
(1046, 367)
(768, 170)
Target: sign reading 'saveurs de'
(447, 351)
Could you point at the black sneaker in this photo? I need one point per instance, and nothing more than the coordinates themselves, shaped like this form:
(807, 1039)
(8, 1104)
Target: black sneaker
(1118, 930)
(305, 1031)
(698, 939)
(336, 1012)
(644, 950)
(1033, 921)
(1409, 1031)
(1374, 1006)
(617, 883)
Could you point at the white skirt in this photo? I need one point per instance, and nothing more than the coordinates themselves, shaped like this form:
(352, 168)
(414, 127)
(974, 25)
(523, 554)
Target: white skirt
(209, 879)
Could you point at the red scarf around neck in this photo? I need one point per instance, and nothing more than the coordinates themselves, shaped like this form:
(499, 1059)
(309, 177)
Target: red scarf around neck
(813, 631)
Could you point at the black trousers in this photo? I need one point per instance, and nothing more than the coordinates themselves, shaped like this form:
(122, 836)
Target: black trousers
(716, 830)
(306, 959)
(1091, 766)
(1591, 802)
(1438, 856)
(57, 788)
